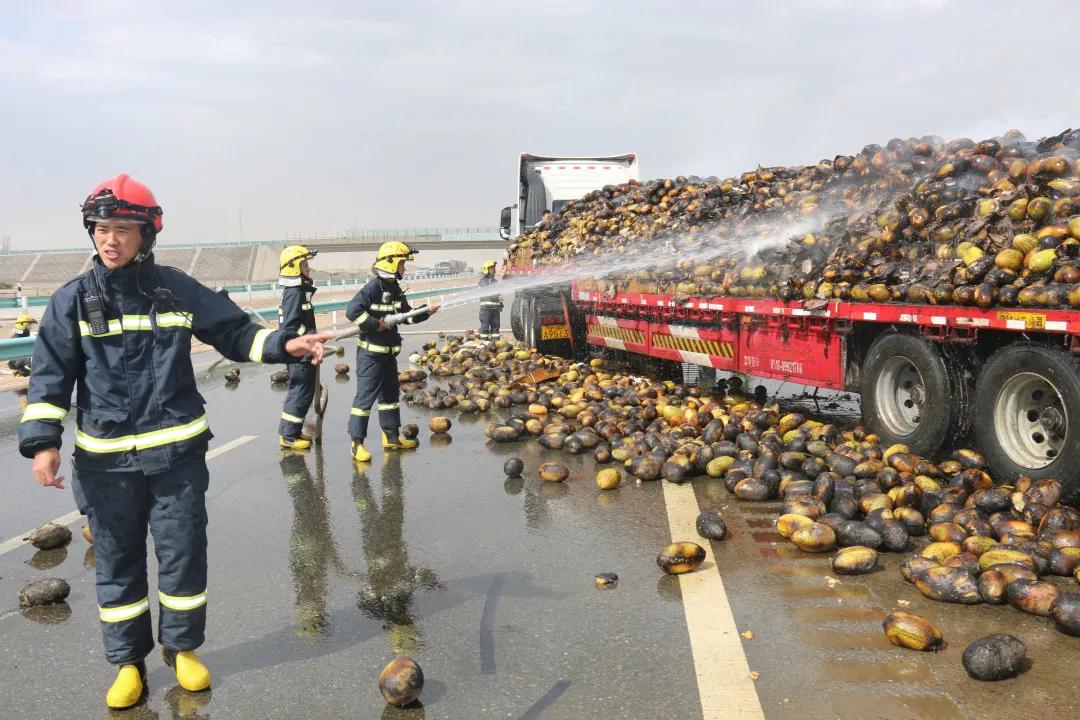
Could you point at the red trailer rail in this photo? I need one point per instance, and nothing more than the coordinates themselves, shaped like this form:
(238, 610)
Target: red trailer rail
(783, 340)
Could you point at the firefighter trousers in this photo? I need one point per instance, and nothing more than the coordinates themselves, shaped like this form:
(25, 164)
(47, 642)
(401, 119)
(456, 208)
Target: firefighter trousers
(489, 322)
(376, 379)
(120, 506)
(298, 400)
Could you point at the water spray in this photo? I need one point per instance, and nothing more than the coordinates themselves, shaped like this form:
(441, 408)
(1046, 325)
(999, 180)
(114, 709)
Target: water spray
(659, 251)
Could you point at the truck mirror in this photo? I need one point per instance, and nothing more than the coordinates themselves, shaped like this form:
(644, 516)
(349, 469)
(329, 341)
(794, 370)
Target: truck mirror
(504, 223)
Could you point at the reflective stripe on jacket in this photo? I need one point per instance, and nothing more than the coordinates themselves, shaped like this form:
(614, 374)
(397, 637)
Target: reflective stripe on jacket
(377, 299)
(490, 300)
(296, 315)
(138, 405)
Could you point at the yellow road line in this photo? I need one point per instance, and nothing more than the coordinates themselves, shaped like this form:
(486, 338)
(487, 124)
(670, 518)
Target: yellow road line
(725, 687)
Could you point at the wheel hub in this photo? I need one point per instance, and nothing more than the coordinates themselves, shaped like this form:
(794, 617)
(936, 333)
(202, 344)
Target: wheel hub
(1030, 420)
(900, 396)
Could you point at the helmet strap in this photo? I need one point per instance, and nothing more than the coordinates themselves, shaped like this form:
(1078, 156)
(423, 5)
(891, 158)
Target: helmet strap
(148, 239)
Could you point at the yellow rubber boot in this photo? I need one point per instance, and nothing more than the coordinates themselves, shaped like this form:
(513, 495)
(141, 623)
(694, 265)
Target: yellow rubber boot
(401, 443)
(192, 675)
(300, 443)
(127, 688)
(360, 453)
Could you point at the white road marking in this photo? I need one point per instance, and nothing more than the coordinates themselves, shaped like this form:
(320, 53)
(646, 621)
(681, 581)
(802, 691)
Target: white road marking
(725, 687)
(17, 541)
(231, 445)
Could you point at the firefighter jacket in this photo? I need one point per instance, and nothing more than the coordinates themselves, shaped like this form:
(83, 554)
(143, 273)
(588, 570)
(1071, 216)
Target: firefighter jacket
(296, 314)
(490, 300)
(138, 408)
(377, 299)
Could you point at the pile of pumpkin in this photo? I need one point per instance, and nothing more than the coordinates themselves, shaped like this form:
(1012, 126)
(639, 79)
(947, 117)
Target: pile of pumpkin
(990, 223)
(838, 489)
(984, 542)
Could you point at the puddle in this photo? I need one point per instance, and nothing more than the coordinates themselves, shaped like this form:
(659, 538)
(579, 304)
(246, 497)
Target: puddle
(790, 552)
(860, 671)
(839, 614)
(846, 641)
(760, 509)
(894, 708)
(798, 571)
(814, 592)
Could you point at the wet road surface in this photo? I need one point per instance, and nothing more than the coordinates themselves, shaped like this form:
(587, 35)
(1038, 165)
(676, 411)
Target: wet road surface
(321, 572)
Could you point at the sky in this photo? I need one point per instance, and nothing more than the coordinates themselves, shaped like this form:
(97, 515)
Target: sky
(321, 117)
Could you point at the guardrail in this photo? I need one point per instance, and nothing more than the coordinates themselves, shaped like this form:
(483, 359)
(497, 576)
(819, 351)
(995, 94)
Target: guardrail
(447, 233)
(43, 300)
(12, 348)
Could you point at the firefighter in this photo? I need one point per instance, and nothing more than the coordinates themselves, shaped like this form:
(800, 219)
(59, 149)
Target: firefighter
(377, 310)
(120, 335)
(21, 366)
(490, 306)
(297, 317)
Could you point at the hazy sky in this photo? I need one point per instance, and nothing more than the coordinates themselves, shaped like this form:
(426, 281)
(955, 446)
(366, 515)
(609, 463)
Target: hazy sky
(323, 116)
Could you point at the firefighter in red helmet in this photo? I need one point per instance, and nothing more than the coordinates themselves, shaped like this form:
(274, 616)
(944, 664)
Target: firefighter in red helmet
(120, 335)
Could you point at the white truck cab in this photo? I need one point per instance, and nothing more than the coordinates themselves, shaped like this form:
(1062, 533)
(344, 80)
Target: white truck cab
(548, 183)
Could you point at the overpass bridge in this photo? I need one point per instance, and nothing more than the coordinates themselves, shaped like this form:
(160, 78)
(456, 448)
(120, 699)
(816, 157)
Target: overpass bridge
(238, 262)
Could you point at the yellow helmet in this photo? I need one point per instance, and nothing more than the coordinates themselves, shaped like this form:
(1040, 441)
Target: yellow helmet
(488, 265)
(291, 257)
(391, 255)
(24, 320)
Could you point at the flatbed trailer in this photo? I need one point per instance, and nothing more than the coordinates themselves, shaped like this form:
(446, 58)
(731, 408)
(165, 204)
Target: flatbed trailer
(930, 376)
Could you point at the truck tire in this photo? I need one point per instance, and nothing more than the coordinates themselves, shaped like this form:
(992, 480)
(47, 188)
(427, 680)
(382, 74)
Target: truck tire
(515, 316)
(530, 322)
(1027, 402)
(912, 395)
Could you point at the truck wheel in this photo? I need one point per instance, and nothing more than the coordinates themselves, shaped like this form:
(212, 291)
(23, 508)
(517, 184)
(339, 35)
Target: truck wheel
(1027, 400)
(515, 317)
(911, 395)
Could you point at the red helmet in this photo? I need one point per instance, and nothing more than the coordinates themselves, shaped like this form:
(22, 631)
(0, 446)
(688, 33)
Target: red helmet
(122, 197)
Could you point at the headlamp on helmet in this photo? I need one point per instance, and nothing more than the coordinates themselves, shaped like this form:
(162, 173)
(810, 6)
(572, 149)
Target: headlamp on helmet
(123, 199)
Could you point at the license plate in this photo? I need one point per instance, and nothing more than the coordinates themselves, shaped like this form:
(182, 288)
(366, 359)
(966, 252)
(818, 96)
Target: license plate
(554, 332)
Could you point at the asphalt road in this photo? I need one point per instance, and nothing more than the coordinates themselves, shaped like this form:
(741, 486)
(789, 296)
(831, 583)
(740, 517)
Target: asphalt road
(321, 572)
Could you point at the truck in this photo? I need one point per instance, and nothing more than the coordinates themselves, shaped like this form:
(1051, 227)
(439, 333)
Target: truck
(929, 376)
(546, 183)
(449, 267)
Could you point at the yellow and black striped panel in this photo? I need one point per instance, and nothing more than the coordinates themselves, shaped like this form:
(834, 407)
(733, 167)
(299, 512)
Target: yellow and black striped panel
(617, 333)
(694, 345)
